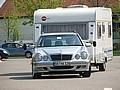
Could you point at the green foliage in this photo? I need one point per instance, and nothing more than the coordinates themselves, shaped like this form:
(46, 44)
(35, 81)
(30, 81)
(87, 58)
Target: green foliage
(116, 53)
(11, 25)
(116, 7)
(116, 15)
(27, 7)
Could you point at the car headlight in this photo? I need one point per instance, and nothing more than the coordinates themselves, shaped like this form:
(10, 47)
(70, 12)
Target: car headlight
(77, 56)
(5, 52)
(84, 55)
(38, 57)
(45, 58)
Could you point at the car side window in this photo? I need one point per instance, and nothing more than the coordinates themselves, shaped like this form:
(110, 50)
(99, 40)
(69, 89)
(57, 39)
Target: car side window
(4, 46)
(9, 45)
(17, 45)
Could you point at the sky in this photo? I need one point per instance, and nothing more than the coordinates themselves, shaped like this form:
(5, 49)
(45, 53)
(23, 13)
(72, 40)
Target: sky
(2, 2)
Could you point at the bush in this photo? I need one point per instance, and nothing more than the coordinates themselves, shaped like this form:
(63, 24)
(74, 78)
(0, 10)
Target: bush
(116, 53)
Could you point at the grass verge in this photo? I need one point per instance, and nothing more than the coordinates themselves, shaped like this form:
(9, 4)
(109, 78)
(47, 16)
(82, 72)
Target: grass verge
(116, 53)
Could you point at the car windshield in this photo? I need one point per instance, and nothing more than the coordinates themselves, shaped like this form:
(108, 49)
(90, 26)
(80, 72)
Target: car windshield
(59, 40)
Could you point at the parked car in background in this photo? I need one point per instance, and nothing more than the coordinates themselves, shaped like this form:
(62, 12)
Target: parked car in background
(4, 54)
(17, 49)
(29, 52)
(14, 48)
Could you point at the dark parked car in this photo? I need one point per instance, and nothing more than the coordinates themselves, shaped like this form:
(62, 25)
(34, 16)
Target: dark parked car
(4, 54)
(16, 49)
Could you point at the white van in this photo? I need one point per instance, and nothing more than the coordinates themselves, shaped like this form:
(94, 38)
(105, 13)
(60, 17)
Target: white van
(93, 24)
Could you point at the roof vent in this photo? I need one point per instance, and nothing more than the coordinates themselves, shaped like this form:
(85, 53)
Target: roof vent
(77, 6)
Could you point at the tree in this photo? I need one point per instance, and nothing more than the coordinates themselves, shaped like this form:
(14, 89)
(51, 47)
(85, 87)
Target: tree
(116, 17)
(27, 7)
(98, 3)
(116, 8)
(11, 25)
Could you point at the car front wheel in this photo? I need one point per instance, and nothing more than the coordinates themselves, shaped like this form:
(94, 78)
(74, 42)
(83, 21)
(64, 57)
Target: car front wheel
(36, 75)
(28, 54)
(87, 73)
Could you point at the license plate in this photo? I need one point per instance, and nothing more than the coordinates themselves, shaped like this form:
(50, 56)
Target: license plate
(61, 63)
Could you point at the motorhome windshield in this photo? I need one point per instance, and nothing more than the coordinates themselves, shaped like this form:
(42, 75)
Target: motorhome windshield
(59, 40)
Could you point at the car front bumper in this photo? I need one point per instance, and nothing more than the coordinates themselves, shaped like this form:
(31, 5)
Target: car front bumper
(60, 66)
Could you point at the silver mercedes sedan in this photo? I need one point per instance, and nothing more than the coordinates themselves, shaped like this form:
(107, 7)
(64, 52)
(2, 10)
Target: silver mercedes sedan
(60, 53)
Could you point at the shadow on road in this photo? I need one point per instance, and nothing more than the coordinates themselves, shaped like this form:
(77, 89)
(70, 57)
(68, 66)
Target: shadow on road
(28, 76)
(19, 75)
(46, 77)
(16, 74)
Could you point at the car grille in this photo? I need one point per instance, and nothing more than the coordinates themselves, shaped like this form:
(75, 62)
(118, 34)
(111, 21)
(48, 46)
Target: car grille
(61, 57)
(62, 67)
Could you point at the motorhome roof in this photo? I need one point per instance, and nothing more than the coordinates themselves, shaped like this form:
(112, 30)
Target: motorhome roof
(72, 15)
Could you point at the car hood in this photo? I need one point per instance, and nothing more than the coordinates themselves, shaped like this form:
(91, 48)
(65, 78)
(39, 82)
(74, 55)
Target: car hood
(60, 50)
(6, 51)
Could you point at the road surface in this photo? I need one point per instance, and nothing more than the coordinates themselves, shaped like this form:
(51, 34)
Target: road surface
(15, 74)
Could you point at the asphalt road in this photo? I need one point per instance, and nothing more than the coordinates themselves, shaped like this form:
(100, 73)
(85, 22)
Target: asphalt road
(15, 74)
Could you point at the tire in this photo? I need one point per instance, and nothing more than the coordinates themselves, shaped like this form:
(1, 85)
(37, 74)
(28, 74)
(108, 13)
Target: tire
(28, 54)
(36, 75)
(87, 73)
(6, 57)
(0, 57)
(102, 66)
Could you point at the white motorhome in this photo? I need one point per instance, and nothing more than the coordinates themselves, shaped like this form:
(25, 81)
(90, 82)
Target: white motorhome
(93, 24)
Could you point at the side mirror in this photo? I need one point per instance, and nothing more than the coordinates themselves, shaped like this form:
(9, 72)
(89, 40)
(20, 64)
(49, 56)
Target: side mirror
(33, 46)
(94, 43)
(88, 44)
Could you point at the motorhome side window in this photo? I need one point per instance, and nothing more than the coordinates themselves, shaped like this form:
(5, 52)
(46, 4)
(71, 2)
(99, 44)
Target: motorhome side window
(98, 30)
(109, 30)
(103, 28)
